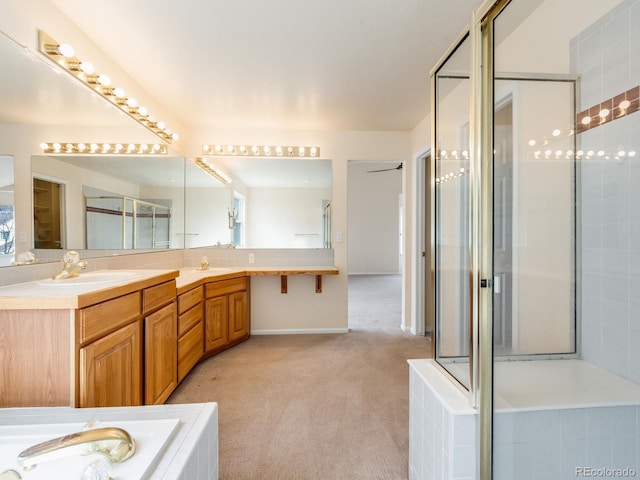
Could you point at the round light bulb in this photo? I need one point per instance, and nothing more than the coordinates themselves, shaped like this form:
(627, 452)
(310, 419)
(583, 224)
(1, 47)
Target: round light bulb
(82, 147)
(604, 113)
(87, 67)
(132, 102)
(161, 125)
(556, 132)
(175, 136)
(143, 111)
(65, 50)
(301, 151)
(255, 150)
(118, 92)
(586, 120)
(624, 104)
(44, 146)
(104, 80)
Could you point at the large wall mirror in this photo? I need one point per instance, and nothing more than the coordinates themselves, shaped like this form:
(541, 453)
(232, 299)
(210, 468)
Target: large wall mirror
(94, 203)
(109, 202)
(270, 203)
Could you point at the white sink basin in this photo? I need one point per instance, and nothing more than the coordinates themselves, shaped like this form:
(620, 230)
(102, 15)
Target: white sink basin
(101, 277)
(151, 437)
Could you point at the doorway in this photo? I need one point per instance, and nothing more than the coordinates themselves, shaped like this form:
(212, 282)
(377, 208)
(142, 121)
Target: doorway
(374, 248)
(48, 207)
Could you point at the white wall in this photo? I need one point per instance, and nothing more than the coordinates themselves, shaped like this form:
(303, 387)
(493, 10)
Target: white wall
(207, 221)
(374, 218)
(285, 217)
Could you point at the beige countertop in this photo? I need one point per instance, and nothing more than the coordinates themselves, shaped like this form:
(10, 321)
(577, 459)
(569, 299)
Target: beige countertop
(86, 289)
(94, 287)
(191, 277)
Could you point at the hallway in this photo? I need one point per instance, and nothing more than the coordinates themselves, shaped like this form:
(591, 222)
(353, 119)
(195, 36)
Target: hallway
(304, 407)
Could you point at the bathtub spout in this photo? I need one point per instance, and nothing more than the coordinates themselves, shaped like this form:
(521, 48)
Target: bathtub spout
(114, 443)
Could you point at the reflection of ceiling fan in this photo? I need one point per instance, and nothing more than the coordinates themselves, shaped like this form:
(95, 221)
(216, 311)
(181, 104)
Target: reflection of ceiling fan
(399, 167)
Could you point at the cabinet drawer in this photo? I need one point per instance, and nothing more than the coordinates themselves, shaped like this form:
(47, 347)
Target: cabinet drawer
(190, 350)
(222, 287)
(189, 319)
(104, 317)
(189, 299)
(154, 297)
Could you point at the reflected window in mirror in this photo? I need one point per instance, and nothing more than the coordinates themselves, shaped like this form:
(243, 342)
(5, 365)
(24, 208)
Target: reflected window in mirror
(7, 211)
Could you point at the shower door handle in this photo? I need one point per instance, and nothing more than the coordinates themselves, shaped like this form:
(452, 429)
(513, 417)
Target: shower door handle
(496, 284)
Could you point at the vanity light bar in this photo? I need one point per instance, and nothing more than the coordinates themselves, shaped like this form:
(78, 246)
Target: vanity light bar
(215, 172)
(63, 56)
(104, 148)
(260, 151)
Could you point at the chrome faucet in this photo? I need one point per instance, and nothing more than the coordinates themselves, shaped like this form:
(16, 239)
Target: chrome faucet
(71, 265)
(114, 443)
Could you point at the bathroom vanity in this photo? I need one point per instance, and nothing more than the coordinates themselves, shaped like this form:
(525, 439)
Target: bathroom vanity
(121, 338)
(94, 342)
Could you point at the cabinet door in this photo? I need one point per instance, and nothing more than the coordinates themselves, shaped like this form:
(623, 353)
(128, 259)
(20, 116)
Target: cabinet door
(161, 354)
(216, 323)
(237, 315)
(111, 369)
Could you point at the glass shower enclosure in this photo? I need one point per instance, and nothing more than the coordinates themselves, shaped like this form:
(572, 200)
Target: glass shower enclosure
(537, 232)
(118, 222)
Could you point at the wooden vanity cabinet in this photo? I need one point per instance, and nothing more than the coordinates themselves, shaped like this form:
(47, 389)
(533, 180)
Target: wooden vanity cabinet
(127, 349)
(160, 342)
(226, 314)
(109, 370)
(190, 330)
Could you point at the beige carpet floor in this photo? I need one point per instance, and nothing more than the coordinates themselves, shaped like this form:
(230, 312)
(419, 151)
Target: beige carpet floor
(303, 407)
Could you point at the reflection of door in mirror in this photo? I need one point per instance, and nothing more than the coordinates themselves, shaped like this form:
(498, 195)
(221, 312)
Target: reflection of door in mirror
(326, 224)
(7, 214)
(48, 201)
(238, 223)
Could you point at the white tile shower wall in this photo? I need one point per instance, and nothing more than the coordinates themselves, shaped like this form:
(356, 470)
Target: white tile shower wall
(442, 444)
(607, 57)
(555, 444)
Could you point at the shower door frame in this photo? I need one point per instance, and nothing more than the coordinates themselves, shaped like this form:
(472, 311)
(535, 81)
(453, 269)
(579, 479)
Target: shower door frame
(481, 133)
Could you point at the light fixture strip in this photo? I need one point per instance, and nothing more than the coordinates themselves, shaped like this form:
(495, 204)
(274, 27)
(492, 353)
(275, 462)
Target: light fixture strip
(63, 56)
(251, 150)
(212, 170)
(72, 148)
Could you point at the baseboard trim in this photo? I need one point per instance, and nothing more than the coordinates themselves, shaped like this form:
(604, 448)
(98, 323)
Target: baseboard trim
(298, 331)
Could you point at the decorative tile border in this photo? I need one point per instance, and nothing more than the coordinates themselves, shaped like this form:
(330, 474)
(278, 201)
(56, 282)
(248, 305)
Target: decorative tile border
(611, 109)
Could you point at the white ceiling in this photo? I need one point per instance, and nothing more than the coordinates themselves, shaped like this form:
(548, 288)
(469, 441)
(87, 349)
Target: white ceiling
(286, 64)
